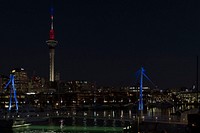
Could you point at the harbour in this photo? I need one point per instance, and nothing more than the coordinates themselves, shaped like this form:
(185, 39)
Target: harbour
(112, 67)
(133, 111)
(103, 121)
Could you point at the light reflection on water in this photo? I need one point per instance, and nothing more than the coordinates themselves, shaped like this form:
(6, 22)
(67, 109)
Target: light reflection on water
(109, 121)
(75, 124)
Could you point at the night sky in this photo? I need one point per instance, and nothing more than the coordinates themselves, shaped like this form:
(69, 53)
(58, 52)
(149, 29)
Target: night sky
(104, 41)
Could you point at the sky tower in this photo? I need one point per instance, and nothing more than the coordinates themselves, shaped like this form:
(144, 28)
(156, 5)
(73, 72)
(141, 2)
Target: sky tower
(51, 43)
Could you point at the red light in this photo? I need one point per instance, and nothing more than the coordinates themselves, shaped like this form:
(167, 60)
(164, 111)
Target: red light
(51, 34)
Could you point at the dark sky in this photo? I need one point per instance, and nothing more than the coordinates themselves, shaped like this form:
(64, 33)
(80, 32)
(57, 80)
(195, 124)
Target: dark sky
(105, 41)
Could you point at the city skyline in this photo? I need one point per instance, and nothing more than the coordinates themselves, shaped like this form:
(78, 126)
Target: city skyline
(104, 41)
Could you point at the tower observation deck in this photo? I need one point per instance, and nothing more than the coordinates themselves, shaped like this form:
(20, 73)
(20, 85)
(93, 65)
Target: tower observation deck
(52, 44)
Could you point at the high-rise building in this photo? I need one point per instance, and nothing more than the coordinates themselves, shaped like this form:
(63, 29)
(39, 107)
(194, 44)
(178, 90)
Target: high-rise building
(21, 80)
(37, 84)
(3, 80)
(57, 76)
(51, 43)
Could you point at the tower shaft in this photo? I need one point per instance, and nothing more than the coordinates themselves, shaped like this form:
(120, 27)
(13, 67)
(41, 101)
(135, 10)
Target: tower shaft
(51, 64)
(51, 44)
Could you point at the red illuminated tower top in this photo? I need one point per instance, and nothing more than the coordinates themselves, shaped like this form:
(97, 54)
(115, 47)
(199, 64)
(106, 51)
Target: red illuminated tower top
(51, 42)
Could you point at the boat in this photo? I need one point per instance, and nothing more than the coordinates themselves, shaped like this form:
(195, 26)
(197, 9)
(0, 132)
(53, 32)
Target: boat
(19, 122)
(13, 123)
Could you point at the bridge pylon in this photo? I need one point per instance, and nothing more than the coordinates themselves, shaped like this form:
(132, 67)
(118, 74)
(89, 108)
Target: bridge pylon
(141, 73)
(12, 91)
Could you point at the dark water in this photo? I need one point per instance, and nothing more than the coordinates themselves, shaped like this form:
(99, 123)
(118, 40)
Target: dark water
(107, 121)
(81, 125)
(72, 124)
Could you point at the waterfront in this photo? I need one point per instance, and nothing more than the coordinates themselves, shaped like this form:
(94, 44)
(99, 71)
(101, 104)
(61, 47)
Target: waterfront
(102, 121)
(74, 124)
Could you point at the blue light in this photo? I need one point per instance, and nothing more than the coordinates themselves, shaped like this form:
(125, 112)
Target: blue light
(140, 107)
(13, 90)
(142, 74)
(51, 10)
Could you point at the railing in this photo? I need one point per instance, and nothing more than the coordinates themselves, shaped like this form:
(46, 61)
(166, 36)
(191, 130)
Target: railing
(144, 118)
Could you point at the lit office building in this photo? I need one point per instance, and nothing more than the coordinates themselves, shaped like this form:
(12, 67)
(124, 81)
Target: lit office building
(21, 80)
